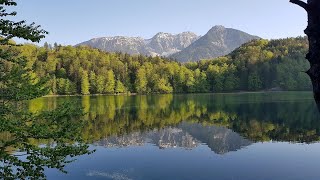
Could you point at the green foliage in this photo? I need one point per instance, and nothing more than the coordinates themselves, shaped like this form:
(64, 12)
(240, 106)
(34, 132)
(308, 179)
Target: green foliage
(24, 129)
(119, 87)
(201, 82)
(93, 82)
(65, 87)
(231, 82)
(258, 65)
(261, 65)
(61, 73)
(100, 82)
(10, 29)
(111, 83)
(190, 81)
(162, 86)
(20, 156)
(85, 85)
(141, 81)
(256, 116)
(254, 82)
(276, 63)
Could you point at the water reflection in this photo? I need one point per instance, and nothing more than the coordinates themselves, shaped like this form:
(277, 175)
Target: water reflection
(31, 141)
(186, 135)
(223, 122)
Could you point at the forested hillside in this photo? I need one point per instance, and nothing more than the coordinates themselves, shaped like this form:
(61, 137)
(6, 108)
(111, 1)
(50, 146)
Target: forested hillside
(258, 65)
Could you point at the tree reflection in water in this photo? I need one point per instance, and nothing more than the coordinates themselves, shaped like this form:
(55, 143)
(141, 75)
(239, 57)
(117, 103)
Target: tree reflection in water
(259, 117)
(223, 122)
(32, 141)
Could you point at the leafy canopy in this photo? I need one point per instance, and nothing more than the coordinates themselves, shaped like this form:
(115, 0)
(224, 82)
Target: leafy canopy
(22, 132)
(11, 29)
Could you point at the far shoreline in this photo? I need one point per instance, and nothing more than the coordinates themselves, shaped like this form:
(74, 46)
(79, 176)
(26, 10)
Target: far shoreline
(137, 94)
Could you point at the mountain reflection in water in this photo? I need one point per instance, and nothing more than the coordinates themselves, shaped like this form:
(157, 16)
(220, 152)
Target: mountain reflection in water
(224, 122)
(198, 136)
(186, 135)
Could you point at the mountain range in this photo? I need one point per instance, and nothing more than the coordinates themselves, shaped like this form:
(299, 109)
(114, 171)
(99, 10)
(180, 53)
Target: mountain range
(162, 44)
(186, 46)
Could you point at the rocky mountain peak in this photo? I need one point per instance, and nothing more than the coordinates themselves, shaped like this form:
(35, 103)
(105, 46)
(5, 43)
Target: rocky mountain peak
(162, 35)
(162, 44)
(186, 46)
(218, 41)
(218, 28)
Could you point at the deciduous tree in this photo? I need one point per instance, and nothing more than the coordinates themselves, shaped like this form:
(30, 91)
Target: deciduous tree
(26, 159)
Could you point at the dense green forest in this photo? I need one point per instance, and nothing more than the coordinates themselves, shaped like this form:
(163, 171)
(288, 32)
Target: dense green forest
(257, 65)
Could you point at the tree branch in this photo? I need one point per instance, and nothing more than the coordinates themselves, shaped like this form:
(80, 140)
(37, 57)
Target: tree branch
(300, 3)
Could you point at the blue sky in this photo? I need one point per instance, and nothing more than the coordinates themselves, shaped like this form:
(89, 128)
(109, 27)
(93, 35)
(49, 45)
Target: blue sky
(73, 21)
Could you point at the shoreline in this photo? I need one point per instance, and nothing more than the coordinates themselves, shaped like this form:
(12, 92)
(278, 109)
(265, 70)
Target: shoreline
(136, 94)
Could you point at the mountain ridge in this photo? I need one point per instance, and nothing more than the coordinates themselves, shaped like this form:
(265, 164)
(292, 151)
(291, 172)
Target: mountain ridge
(161, 44)
(183, 47)
(218, 41)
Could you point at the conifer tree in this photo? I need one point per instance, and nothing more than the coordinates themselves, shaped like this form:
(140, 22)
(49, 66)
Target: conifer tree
(110, 83)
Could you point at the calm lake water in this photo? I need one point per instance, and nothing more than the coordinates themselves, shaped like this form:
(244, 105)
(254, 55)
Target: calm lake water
(258, 136)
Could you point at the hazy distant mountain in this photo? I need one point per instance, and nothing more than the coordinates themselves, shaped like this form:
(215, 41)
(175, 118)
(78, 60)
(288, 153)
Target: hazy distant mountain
(219, 41)
(162, 44)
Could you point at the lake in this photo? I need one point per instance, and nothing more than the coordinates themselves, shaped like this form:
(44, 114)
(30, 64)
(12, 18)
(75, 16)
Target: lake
(248, 136)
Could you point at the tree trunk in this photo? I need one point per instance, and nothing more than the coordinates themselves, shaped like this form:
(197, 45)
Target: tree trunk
(313, 32)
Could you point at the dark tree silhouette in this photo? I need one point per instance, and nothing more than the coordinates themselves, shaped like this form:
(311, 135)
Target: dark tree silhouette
(313, 32)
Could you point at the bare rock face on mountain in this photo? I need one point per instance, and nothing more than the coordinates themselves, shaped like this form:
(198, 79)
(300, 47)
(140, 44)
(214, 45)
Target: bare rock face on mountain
(184, 47)
(219, 41)
(162, 44)
(165, 44)
(130, 45)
